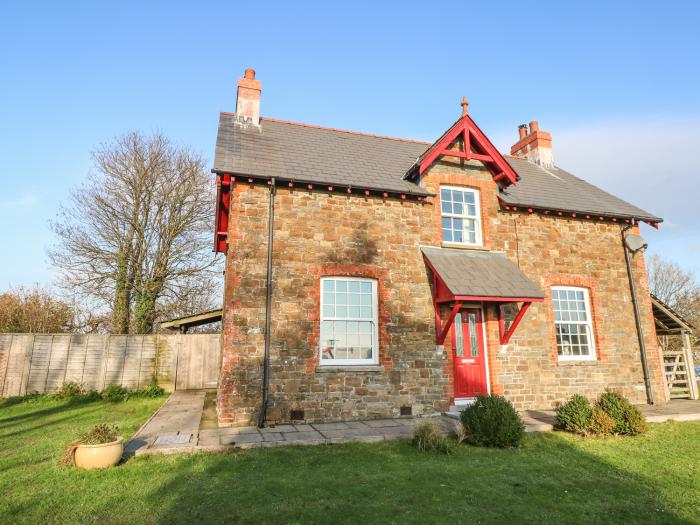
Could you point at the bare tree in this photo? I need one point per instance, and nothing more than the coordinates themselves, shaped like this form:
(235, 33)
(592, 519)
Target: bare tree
(676, 287)
(34, 310)
(137, 235)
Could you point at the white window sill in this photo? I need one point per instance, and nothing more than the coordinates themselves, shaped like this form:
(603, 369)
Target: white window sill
(464, 246)
(580, 361)
(349, 368)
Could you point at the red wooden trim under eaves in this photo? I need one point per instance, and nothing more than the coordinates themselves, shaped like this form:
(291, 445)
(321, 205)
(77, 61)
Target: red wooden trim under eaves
(223, 202)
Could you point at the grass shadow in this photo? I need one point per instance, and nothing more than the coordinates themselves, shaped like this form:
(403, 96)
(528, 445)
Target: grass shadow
(549, 480)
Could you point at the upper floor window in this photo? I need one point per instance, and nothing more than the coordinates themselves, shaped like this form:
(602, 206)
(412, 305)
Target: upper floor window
(573, 325)
(348, 321)
(460, 216)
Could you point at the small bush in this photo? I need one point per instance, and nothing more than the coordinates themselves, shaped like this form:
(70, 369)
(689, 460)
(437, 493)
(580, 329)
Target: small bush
(115, 393)
(74, 391)
(575, 415)
(428, 438)
(70, 390)
(492, 422)
(99, 434)
(628, 419)
(601, 422)
(636, 422)
(150, 391)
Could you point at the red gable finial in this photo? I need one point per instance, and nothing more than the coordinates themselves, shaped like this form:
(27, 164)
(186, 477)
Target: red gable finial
(464, 106)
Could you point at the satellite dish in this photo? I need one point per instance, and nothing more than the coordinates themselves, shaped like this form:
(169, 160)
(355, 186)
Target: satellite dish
(635, 243)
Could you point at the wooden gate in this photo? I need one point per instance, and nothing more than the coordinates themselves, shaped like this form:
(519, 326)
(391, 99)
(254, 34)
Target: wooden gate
(198, 361)
(678, 374)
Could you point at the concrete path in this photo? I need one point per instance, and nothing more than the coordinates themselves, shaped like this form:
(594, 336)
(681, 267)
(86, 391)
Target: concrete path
(676, 410)
(175, 427)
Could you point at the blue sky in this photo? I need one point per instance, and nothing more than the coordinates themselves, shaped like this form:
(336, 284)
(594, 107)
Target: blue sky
(615, 83)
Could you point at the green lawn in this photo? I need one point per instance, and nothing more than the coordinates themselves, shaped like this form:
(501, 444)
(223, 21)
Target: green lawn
(554, 478)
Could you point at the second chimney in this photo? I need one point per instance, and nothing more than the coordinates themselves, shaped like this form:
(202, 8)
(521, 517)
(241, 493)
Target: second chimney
(248, 97)
(536, 145)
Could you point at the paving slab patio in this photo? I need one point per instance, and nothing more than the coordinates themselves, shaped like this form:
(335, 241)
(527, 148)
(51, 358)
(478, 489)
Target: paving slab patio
(175, 428)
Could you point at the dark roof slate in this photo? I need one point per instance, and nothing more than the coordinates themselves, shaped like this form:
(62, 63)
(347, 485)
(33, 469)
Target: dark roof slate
(311, 154)
(481, 274)
(554, 188)
(315, 155)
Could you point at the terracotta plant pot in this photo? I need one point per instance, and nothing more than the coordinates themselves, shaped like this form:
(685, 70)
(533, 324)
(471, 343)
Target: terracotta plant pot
(99, 456)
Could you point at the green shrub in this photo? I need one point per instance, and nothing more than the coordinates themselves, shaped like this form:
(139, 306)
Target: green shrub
(601, 422)
(628, 419)
(115, 393)
(149, 391)
(636, 422)
(99, 434)
(69, 390)
(428, 438)
(575, 415)
(492, 422)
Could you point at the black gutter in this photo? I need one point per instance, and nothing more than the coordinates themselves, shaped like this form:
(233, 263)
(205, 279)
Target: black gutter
(640, 334)
(268, 297)
(319, 185)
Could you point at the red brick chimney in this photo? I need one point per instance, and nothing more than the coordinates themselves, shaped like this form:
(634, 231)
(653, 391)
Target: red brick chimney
(248, 97)
(536, 145)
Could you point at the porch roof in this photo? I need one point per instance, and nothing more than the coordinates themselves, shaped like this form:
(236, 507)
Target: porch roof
(667, 320)
(486, 276)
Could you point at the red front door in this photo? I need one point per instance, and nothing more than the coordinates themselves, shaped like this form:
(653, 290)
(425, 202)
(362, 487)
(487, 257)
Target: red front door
(468, 353)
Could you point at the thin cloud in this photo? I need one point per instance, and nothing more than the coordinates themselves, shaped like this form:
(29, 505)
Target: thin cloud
(650, 162)
(19, 204)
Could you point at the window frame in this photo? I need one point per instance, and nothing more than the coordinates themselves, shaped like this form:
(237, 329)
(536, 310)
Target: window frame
(374, 360)
(592, 355)
(478, 240)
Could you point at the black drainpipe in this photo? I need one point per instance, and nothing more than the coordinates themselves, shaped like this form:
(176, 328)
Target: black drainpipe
(640, 334)
(268, 295)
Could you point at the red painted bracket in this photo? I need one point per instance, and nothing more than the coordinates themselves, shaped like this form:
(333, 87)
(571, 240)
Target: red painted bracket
(441, 331)
(506, 335)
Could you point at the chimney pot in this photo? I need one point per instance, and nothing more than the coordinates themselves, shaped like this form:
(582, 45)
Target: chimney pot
(248, 97)
(536, 145)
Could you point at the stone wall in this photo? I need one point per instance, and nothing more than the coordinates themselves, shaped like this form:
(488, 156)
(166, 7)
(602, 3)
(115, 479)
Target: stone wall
(320, 234)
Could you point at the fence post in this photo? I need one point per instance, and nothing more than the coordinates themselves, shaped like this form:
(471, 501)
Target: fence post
(28, 355)
(103, 364)
(690, 366)
(177, 361)
(7, 365)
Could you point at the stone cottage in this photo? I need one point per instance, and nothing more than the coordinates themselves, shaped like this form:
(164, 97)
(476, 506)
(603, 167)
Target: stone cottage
(370, 276)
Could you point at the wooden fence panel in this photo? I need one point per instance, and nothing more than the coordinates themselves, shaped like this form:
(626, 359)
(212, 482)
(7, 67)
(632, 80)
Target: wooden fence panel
(44, 362)
(198, 361)
(75, 361)
(39, 363)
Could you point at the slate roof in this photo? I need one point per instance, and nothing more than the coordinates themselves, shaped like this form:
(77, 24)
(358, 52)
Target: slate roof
(316, 155)
(481, 274)
(556, 189)
(312, 154)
